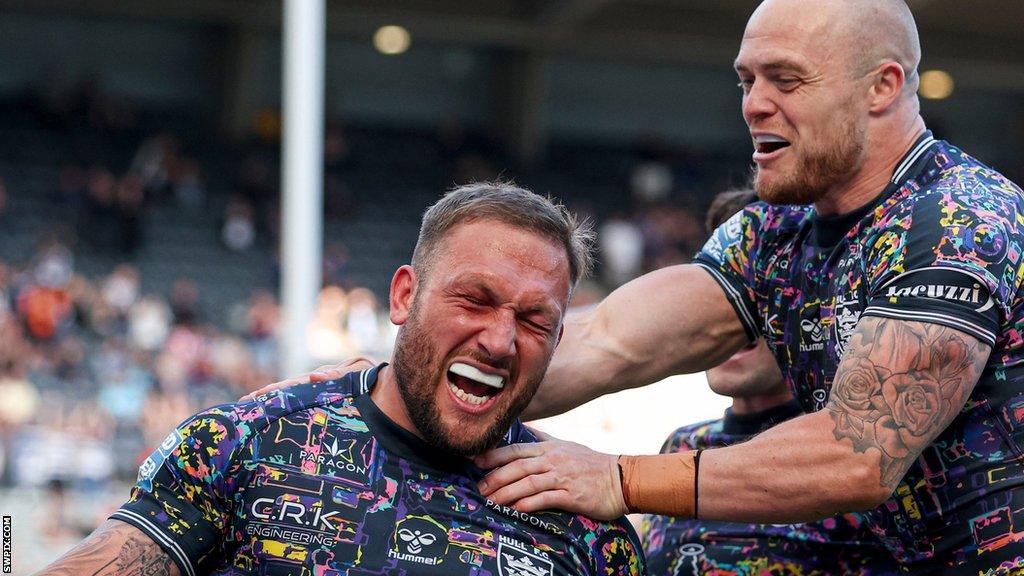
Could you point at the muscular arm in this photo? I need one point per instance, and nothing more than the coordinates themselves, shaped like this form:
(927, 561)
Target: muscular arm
(115, 548)
(671, 321)
(900, 384)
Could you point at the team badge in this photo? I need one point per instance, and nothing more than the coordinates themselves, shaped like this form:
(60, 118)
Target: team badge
(514, 561)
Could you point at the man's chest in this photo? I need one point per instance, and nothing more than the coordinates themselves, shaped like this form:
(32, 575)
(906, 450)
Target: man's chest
(810, 301)
(345, 506)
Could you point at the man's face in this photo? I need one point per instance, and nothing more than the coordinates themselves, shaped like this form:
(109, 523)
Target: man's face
(479, 333)
(806, 111)
(750, 372)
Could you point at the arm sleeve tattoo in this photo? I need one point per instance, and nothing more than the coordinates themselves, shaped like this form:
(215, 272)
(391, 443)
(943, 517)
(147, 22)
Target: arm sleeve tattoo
(899, 385)
(115, 548)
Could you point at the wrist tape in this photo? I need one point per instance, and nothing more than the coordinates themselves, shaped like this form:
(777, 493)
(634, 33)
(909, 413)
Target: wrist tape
(664, 484)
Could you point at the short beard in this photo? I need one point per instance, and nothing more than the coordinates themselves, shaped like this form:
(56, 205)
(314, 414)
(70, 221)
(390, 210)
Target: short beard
(820, 170)
(418, 368)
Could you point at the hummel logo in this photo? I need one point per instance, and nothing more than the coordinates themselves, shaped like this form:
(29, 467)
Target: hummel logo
(416, 540)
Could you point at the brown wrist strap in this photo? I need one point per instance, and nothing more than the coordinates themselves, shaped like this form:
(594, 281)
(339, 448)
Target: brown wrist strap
(664, 484)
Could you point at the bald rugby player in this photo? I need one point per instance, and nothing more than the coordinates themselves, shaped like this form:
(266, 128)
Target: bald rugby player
(882, 267)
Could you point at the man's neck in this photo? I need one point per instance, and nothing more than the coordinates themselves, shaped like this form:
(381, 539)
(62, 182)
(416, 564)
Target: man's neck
(386, 395)
(753, 404)
(873, 176)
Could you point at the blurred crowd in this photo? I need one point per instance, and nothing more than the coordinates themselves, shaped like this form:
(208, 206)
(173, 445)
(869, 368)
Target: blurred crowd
(93, 372)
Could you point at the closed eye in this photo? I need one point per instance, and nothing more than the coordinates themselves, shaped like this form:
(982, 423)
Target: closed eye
(787, 84)
(538, 327)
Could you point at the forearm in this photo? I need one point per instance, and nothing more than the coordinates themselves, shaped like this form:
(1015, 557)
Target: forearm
(115, 548)
(795, 472)
(671, 321)
(898, 386)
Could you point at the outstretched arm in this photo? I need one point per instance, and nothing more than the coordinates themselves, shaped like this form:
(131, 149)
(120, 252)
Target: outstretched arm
(900, 384)
(115, 548)
(671, 321)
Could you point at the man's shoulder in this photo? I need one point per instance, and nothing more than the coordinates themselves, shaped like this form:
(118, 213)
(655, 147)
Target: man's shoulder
(966, 179)
(252, 416)
(755, 227)
(957, 192)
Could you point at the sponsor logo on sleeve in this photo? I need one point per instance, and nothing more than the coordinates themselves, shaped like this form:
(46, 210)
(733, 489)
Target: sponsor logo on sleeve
(947, 284)
(150, 466)
(726, 235)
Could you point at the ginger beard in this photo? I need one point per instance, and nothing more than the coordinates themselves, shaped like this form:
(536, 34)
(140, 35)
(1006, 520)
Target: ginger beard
(820, 167)
(420, 369)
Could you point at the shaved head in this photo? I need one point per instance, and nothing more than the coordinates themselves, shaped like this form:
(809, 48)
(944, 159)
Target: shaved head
(879, 31)
(863, 33)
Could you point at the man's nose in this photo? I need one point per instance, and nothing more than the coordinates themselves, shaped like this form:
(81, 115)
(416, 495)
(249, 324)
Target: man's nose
(757, 102)
(498, 336)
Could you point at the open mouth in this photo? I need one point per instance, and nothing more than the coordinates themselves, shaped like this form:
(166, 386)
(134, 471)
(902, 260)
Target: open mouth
(769, 143)
(472, 385)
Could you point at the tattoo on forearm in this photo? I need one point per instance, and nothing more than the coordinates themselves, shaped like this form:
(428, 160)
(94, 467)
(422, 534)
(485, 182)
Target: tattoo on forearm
(899, 385)
(114, 549)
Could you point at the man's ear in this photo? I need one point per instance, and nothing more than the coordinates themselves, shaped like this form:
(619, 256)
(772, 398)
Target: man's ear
(403, 293)
(887, 87)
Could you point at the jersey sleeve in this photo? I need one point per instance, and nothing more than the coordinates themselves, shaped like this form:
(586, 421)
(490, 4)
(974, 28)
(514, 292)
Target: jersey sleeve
(728, 256)
(949, 257)
(180, 499)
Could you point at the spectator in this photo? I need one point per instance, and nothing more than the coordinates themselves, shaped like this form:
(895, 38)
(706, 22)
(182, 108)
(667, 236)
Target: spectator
(622, 250)
(185, 304)
(129, 204)
(239, 229)
(121, 289)
(149, 322)
(189, 187)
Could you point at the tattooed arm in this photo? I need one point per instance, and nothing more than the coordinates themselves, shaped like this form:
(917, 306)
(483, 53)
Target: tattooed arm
(115, 548)
(898, 386)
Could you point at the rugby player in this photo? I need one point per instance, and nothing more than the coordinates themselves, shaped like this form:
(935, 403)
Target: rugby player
(840, 546)
(883, 268)
(370, 473)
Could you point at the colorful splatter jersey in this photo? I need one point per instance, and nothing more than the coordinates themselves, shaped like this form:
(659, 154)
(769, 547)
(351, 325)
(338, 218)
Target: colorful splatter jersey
(941, 244)
(315, 480)
(838, 546)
